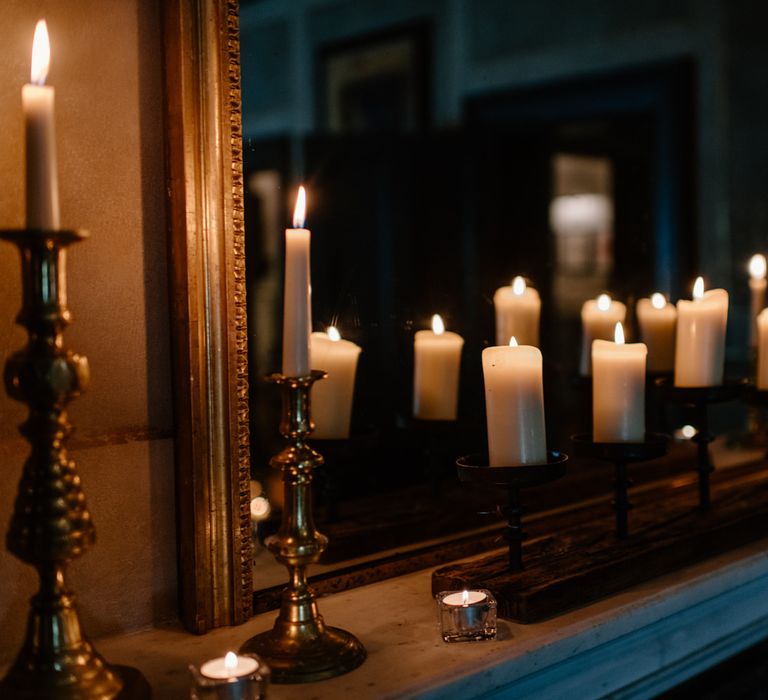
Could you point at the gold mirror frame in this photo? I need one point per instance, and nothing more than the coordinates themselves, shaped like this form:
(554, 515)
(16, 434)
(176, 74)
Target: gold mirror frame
(208, 306)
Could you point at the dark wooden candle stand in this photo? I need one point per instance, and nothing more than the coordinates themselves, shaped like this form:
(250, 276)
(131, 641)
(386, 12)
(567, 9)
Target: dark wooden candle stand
(621, 454)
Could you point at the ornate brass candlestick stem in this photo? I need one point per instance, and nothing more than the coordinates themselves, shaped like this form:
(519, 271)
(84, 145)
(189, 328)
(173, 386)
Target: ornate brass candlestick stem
(300, 647)
(51, 524)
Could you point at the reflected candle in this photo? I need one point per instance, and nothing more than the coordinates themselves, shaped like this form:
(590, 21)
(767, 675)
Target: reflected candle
(757, 285)
(297, 306)
(514, 403)
(332, 398)
(37, 100)
(518, 310)
(657, 320)
(618, 390)
(436, 363)
(762, 350)
(598, 319)
(700, 344)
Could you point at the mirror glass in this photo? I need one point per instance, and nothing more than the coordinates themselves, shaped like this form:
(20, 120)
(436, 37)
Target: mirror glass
(447, 148)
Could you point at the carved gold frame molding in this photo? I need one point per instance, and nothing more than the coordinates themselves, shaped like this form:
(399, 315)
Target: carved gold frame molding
(205, 186)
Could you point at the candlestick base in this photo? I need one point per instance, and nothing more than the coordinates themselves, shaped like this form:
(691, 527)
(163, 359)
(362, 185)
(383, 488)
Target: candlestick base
(300, 648)
(474, 468)
(699, 398)
(621, 454)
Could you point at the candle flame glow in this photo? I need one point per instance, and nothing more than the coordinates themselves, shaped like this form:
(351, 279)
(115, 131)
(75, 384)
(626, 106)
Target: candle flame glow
(300, 212)
(603, 302)
(618, 334)
(41, 54)
(658, 301)
(230, 661)
(698, 288)
(438, 327)
(518, 286)
(688, 431)
(757, 267)
(513, 342)
(464, 597)
(333, 334)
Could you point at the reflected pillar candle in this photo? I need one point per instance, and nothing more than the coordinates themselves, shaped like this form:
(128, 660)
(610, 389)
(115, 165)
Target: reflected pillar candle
(518, 310)
(762, 350)
(657, 319)
(332, 398)
(700, 344)
(598, 320)
(436, 364)
(757, 285)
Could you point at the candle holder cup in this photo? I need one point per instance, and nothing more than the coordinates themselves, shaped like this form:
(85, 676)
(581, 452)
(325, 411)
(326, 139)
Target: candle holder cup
(300, 648)
(51, 524)
(474, 468)
(700, 399)
(621, 454)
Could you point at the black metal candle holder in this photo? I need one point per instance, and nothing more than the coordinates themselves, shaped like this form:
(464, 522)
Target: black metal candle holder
(620, 454)
(51, 524)
(700, 398)
(474, 468)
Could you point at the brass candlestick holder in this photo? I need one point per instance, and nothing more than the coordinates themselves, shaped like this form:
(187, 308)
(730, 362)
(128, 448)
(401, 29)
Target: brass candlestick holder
(300, 647)
(51, 524)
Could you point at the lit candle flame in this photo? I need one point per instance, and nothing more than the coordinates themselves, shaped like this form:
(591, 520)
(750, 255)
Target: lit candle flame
(41, 54)
(513, 342)
(518, 286)
(698, 288)
(688, 431)
(333, 334)
(658, 301)
(464, 597)
(300, 212)
(618, 334)
(438, 327)
(757, 267)
(603, 302)
(230, 661)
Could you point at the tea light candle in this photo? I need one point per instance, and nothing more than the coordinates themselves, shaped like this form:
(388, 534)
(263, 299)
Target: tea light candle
(618, 390)
(229, 666)
(657, 320)
(436, 363)
(700, 344)
(514, 403)
(757, 285)
(518, 310)
(297, 309)
(231, 677)
(598, 319)
(762, 350)
(37, 100)
(332, 398)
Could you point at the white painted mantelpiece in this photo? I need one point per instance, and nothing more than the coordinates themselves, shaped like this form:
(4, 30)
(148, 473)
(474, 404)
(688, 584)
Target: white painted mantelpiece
(632, 645)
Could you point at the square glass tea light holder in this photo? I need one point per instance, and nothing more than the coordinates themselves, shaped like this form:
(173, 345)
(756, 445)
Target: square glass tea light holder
(466, 616)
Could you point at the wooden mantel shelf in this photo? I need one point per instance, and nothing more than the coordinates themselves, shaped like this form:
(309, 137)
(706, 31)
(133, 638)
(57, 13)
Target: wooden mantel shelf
(633, 645)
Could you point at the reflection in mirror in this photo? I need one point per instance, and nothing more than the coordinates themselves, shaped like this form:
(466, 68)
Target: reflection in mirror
(447, 149)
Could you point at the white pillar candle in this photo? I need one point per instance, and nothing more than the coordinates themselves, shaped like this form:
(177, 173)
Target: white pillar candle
(757, 284)
(762, 350)
(297, 309)
(37, 101)
(332, 398)
(700, 344)
(229, 666)
(514, 405)
(657, 320)
(598, 319)
(518, 310)
(618, 390)
(436, 363)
